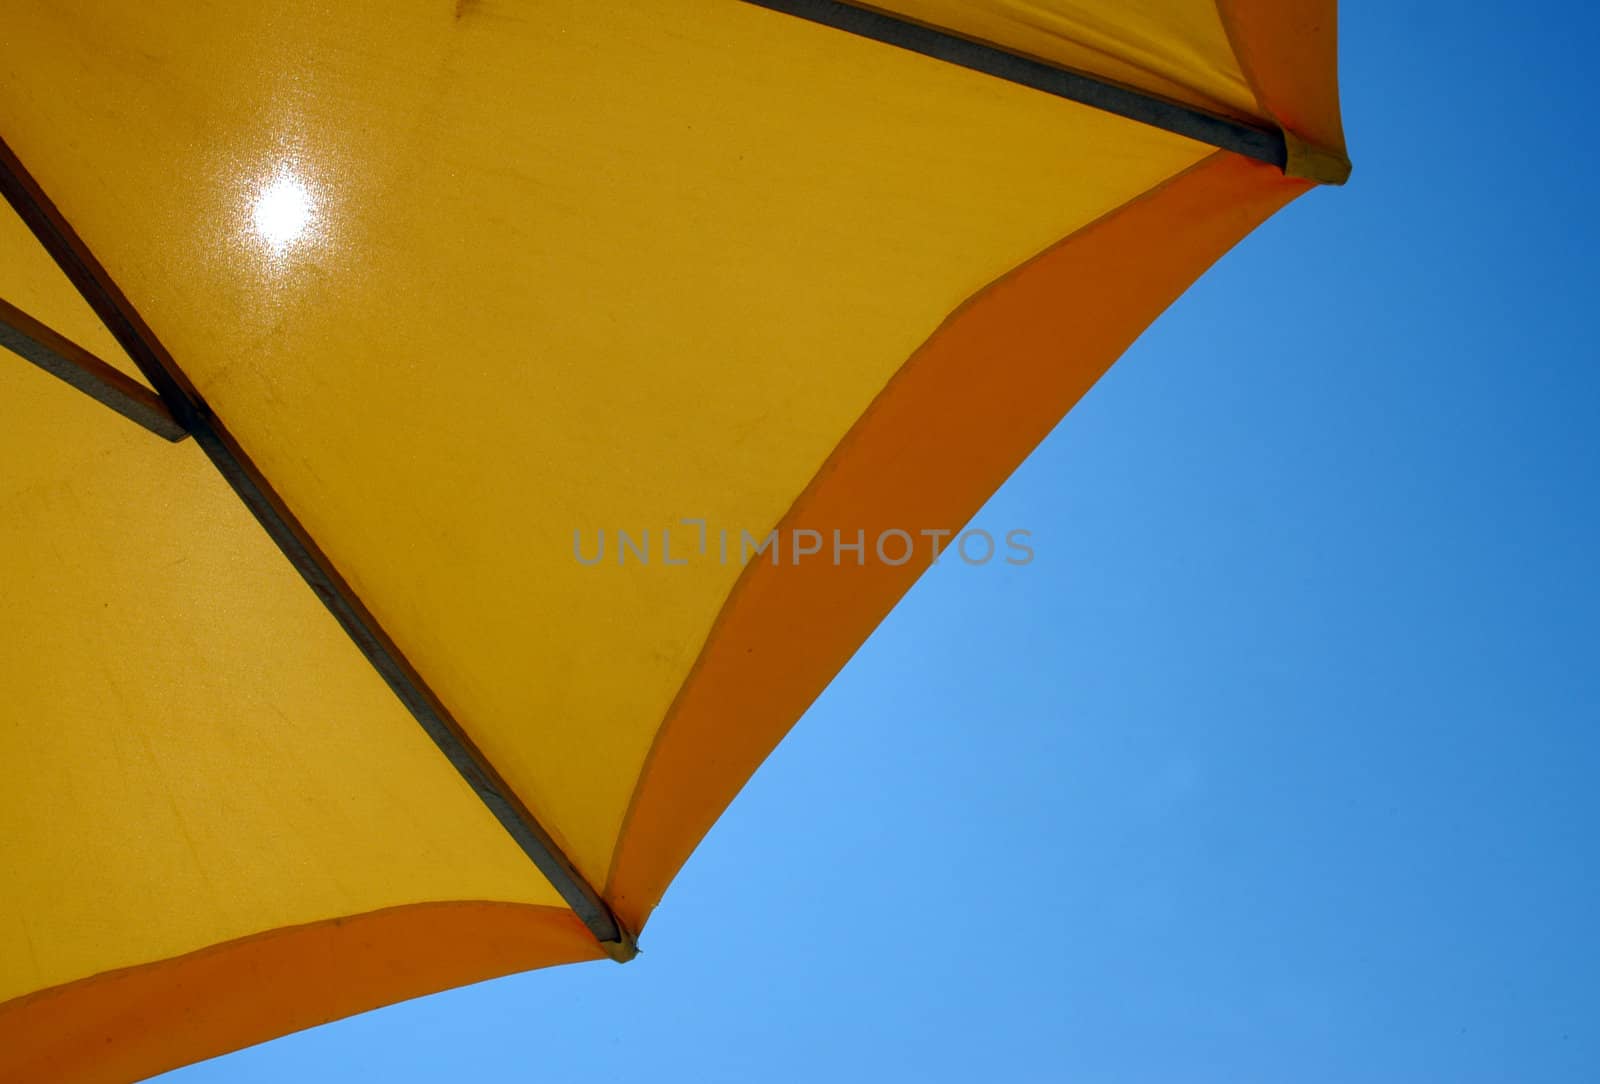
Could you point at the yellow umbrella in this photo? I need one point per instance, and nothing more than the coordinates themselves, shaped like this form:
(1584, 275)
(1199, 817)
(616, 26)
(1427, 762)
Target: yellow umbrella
(607, 371)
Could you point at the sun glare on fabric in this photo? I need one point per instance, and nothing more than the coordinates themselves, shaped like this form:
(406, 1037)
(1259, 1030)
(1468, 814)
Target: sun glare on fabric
(281, 211)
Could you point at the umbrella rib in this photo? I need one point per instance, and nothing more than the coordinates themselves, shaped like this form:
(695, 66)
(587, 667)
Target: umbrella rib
(72, 364)
(190, 412)
(1230, 135)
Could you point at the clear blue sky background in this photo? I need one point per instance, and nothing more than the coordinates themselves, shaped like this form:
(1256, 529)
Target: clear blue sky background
(1279, 763)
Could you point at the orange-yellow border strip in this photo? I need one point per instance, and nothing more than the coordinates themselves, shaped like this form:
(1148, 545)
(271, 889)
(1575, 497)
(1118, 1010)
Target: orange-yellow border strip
(139, 1021)
(952, 424)
(1289, 53)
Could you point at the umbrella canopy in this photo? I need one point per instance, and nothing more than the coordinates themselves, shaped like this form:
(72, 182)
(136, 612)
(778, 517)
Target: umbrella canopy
(606, 372)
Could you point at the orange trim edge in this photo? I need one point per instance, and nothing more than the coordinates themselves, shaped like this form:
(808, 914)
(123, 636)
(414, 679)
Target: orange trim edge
(133, 1023)
(952, 424)
(1289, 53)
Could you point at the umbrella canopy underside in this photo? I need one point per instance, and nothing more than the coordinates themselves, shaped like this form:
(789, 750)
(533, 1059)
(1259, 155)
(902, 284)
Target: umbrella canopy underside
(452, 292)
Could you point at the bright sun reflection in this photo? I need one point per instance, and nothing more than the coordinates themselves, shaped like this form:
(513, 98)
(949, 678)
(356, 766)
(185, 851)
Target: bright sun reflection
(282, 211)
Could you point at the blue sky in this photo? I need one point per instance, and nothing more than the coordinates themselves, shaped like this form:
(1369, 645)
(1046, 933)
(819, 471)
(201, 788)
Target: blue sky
(1276, 764)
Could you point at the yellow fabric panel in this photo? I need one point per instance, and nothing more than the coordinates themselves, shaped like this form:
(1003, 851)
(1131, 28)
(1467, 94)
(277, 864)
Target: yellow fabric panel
(31, 281)
(576, 267)
(1178, 49)
(193, 751)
